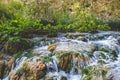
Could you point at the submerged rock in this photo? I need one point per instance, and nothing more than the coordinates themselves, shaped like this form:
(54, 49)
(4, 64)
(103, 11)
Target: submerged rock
(118, 38)
(75, 35)
(104, 35)
(113, 74)
(63, 78)
(82, 38)
(73, 47)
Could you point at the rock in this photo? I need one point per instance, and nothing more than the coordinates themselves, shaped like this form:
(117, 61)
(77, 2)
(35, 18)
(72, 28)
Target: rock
(51, 47)
(104, 49)
(2, 68)
(103, 35)
(39, 70)
(118, 38)
(65, 62)
(75, 35)
(63, 78)
(43, 51)
(67, 59)
(51, 76)
(73, 47)
(6, 63)
(30, 71)
(14, 76)
(10, 63)
(82, 39)
(16, 44)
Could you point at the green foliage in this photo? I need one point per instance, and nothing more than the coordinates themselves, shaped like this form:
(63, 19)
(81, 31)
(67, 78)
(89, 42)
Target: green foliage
(50, 17)
(114, 24)
(4, 12)
(86, 22)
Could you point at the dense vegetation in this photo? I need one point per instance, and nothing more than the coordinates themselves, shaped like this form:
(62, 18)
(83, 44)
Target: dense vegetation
(25, 19)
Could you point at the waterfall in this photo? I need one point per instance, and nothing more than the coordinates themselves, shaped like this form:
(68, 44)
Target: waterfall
(105, 54)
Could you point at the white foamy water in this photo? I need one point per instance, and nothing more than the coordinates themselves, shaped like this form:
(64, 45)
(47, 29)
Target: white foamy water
(109, 42)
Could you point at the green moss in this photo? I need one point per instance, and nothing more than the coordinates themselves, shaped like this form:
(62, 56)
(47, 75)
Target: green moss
(16, 44)
(2, 68)
(100, 37)
(65, 54)
(103, 56)
(104, 73)
(25, 67)
(42, 72)
(19, 72)
(114, 54)
(91, 71)
(63, 78)
(88, 78)
(85, 71)
(104, 49)
(65, 62)
(18, 54)
(48, 59)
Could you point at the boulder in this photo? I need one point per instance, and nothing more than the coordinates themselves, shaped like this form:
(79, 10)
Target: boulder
(30, 71)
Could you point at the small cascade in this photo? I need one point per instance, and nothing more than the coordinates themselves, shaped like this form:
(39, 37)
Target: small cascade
(75, 57)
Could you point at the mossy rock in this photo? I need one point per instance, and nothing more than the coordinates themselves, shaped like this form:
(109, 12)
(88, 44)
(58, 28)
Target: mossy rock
(10, 63)
(31, 71)
(114, 54)
(51, 47)
(65, 62)
(101, 37)
(94, 70)
(16, 44)
(63, 78)
(2, 68)
(104, 49)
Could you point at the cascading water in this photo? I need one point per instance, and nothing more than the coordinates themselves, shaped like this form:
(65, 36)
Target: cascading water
(99, 53)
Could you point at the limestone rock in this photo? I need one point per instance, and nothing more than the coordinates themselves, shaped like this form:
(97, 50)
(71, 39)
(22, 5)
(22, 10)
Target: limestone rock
(51, 47)
(2, 68)
(30, 71)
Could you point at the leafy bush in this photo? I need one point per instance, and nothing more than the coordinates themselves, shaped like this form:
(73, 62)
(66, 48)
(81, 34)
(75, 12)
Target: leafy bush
(114, 24)
(20, 19)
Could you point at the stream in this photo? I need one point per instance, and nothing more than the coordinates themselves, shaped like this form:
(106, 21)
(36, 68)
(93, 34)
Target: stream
(72, 56)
